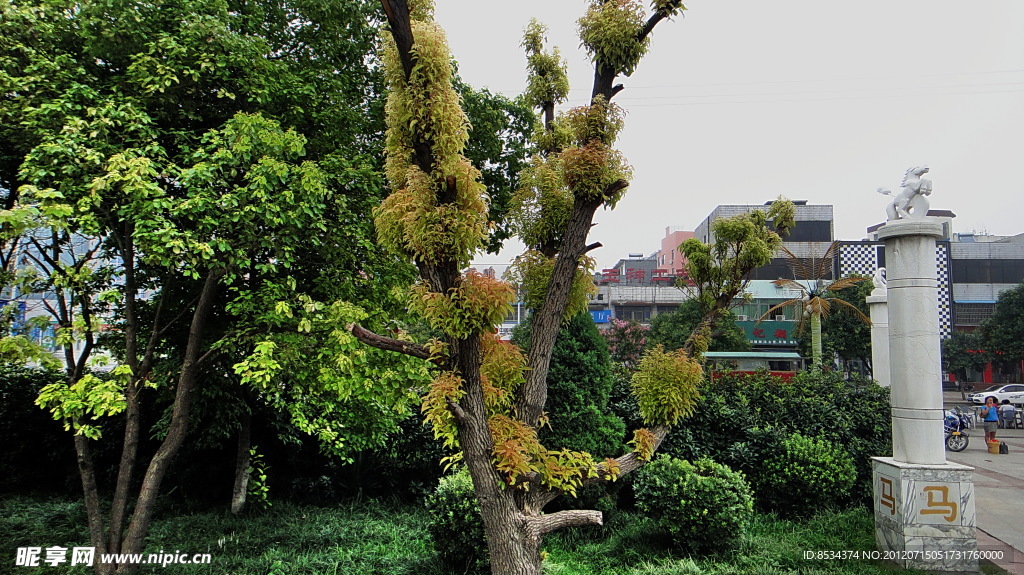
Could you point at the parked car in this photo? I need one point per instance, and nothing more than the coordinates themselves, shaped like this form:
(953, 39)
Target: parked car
(1012, 391)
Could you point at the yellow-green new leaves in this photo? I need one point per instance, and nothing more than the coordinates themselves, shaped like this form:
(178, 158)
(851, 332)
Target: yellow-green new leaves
(643, 443)
(519, 455)
(581, 164)
(477, 304)
(446, 389)
(591, 169)
(541, 207)
(424, 108)
(610, 30)
(412, 222)
(665, 386)
(501, 372)
(532, 273)
(547, 80)
(89, 398)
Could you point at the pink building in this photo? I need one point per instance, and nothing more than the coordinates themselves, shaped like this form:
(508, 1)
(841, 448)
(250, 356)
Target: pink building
(669, 257)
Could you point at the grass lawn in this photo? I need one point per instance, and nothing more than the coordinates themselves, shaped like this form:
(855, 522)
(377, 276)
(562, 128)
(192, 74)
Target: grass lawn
(386, 538)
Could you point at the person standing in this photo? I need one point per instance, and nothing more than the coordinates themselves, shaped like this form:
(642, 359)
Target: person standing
(990, 415)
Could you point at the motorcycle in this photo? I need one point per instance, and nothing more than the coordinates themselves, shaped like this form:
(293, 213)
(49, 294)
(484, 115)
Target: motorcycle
(955, 425)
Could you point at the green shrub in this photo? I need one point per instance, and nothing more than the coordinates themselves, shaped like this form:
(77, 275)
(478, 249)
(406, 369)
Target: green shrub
(38, 454)
(579, 388)
(741, 418)
(806, 474)
(456, 526)
(704, 506)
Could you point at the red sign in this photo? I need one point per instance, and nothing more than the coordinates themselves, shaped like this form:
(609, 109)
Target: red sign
(635, 274)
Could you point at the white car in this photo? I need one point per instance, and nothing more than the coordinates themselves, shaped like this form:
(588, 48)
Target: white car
(1012, 391)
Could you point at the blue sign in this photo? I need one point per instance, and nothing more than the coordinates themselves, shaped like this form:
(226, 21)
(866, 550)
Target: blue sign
(601, 315)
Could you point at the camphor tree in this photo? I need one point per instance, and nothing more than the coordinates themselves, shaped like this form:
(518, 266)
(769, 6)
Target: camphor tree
(154, 164)
(487, 397)
(1002, 335)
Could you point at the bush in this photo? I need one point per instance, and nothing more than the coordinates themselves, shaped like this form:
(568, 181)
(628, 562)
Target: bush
(704, 506)
(38, 454)
(456, 526)
(805, 475)
(742, 418)
(579, 388)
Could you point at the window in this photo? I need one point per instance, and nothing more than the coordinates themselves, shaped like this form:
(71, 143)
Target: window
(972, 314)
(988, 271)
(641, 313)
(810, 231)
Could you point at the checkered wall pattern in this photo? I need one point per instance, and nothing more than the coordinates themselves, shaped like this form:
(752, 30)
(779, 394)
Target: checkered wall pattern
(862, 258)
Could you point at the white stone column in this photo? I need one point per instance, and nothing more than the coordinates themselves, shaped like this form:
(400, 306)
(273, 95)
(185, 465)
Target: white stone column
(879, 313)
(924, 506)
(914, 353)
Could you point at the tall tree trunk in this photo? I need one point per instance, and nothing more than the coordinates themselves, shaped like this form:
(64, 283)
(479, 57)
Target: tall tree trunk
(242, 459)
(93, 508)
(161, 461)
(126, 468)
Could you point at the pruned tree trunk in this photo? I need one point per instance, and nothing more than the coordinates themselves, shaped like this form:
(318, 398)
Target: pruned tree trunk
(513, 516)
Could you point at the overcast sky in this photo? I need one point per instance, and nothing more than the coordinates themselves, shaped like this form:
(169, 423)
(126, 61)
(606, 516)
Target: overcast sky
(739, 101)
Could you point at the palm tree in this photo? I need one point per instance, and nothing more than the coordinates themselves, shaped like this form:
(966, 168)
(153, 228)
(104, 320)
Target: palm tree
(814, 289)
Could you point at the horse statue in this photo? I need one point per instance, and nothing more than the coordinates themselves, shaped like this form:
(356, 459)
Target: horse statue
(911, 202)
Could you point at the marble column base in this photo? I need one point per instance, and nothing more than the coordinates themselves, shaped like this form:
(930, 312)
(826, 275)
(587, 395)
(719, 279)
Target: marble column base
(925, 515)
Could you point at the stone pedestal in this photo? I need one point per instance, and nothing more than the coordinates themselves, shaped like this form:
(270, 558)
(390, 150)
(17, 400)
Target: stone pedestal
(925, 515)
(914, 355)
(878, 308)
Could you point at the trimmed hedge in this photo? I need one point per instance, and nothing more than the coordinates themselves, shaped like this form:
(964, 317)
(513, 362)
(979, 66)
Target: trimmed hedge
(455, 524)
(704, 506)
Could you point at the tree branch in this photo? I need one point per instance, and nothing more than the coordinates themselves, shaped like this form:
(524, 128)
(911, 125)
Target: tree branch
(569, 518)
(658, 16)
(457, 411)
(389, 344)
(630, 462)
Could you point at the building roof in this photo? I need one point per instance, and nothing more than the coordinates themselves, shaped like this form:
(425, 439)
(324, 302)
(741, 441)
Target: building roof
(752, 354)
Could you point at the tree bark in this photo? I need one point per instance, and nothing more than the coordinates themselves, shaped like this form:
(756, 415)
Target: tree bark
(548, 319)
(816, 341)
(242, 457)
(513, 521)
(93, 508)
(161, 461)
(126, 468)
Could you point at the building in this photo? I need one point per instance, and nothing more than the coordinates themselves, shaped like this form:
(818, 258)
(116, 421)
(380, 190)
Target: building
(972, 270)
(810, 238)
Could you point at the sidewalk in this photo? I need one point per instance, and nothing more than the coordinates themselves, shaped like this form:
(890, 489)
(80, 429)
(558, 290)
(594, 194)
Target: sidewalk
(999, 490)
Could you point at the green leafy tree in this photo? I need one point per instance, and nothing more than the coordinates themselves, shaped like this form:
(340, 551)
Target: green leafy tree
(721, 270)
(671, 330)
(499, 142)
(964, 352)
(159, 185)
(1003, 333)
(487, 398)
